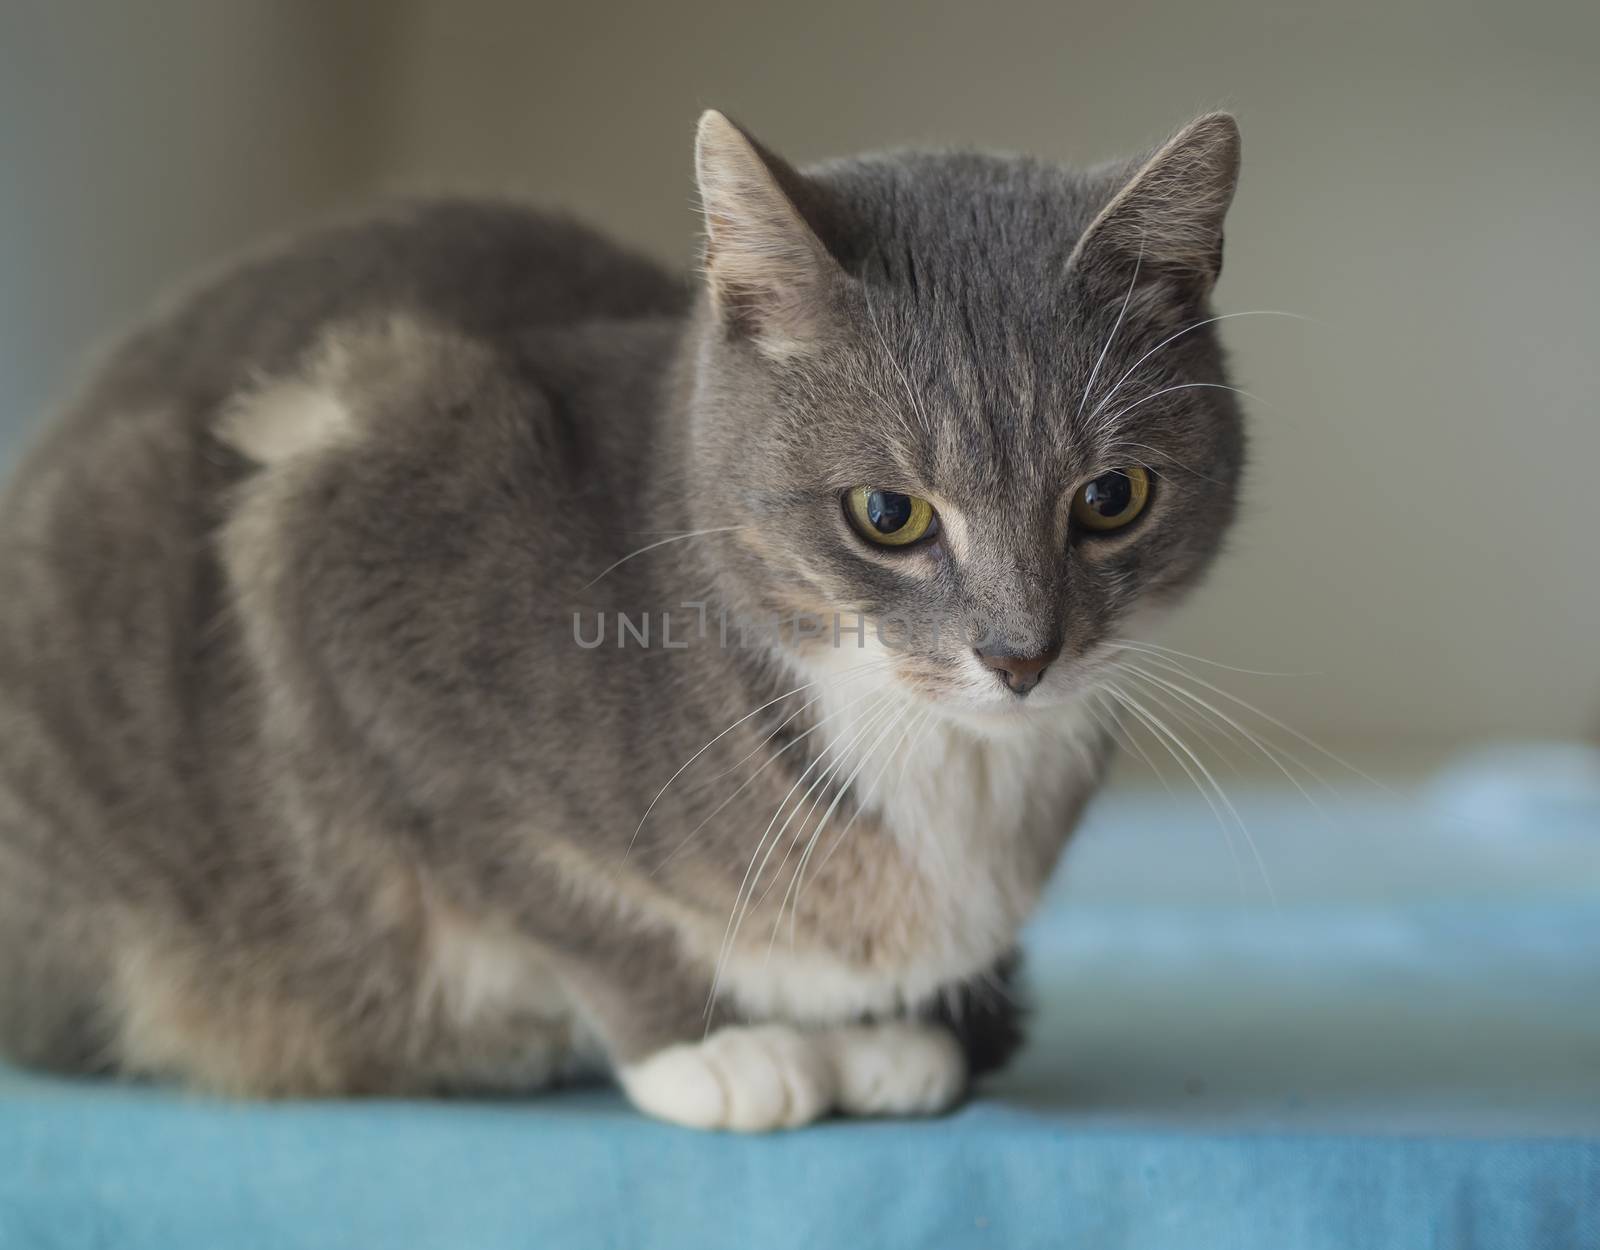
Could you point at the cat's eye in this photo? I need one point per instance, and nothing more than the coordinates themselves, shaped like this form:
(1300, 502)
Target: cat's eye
(889, 518)
(1111, 500)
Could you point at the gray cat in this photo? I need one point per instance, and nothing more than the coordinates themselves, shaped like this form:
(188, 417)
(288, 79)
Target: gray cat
(452, 653)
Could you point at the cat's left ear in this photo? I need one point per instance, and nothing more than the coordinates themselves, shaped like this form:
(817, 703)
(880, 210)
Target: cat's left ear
(1167, 216)
(770, 276)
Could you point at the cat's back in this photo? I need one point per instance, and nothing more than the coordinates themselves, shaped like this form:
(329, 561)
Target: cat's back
(108, 518)
(117, 682)
(107, 525)
(485, 269)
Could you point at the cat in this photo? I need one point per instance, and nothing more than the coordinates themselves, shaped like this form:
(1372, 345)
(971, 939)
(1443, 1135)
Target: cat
(451, 652)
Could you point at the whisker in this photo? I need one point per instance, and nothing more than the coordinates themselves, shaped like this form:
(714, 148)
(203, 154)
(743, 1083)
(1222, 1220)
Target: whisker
(1138, 644)
(1112, 418)
(1126, 740)
(840, 749)
(1166, 458)
(685, 765)
(905, 380)
(701, 752)
(929, 722)
(1159, 726)
(1117, 325)
(1278, 724)
(824, 687)
(1270, 750)
(1254, 312)
(1162, 739)
(1188, 717)
(883, 716)
(740, 902)
(925, 722)
(676, 538)
(805, 859)
(876, 666)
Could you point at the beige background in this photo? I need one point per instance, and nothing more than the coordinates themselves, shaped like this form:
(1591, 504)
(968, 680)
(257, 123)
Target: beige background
(1421, 179)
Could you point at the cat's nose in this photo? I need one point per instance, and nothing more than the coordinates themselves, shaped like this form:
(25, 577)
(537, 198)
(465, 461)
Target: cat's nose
(1020, 673)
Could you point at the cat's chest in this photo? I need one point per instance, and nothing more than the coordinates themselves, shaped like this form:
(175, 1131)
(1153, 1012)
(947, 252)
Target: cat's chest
(955, 837)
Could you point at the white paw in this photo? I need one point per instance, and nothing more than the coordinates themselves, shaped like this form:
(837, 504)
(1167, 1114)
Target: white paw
(749, 1079)
(897, 1069)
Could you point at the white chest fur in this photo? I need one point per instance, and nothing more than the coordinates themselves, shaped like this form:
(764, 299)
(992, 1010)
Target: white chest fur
(978, 810)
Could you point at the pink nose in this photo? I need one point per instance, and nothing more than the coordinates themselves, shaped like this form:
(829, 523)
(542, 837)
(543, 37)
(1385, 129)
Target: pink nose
(1020, 673)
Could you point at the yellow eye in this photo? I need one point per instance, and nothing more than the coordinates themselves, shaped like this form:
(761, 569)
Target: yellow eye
(1112, 500)
(888, 518)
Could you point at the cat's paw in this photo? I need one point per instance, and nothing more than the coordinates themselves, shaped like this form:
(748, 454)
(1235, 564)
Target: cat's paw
(752, 1079)
(897, 1069)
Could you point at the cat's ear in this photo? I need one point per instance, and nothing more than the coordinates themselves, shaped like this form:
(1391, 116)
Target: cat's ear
(1167, 216)
(768, 273)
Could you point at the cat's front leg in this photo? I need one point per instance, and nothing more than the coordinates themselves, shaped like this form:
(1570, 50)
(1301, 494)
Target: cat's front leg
(749, 1076)
(755, 1078)
(648, 1008)
(897, 1068)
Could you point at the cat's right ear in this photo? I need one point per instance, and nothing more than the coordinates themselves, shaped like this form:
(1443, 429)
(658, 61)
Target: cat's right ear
(768, 273)
(1165, 216)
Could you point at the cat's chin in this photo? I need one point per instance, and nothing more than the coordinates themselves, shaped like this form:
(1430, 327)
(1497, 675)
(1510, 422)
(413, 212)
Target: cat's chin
(1002, 716)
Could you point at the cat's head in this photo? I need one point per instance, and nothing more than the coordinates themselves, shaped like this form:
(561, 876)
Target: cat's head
(974, 399)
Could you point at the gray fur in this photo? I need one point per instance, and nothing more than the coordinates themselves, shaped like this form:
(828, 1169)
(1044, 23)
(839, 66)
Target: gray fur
(267, 724)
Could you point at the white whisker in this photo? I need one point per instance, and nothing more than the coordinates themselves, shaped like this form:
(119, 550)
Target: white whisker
(1137, 644)
(688, 762)
(840, 749)
(861, 802)
(1270, 750)
(925, 721)
(1254, 312)
(1110, 419)
(752, 876)
(1162, 459)
(1126, 740)
(905, 379)
(1278, 724)
(865, 669)
(1163, 739)
(1117, 325)
(701, 752)
(1157, 725)
(676, 538)
(883, 717)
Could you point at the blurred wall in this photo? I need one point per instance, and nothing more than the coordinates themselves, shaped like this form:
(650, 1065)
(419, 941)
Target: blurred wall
(141, 141)
(1420, 178)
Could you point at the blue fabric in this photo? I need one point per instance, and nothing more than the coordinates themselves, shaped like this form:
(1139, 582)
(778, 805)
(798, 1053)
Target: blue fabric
(1398, 1046)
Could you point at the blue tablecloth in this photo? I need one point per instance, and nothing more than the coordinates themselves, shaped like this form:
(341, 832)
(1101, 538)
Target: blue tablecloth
(1399, 1046)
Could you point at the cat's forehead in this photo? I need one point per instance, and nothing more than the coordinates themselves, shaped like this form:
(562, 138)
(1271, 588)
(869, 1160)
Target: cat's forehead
(976, 431)
(963, 263)
(963, 227)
